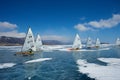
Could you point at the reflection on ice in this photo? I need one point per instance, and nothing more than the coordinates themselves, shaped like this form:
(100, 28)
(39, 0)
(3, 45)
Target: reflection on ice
(109, 72)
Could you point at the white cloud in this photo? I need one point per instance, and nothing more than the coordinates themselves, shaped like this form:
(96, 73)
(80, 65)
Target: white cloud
(55, 37)
(7, 25)
(10, 30)
(81, 27)
(108, 23)
(12, 34)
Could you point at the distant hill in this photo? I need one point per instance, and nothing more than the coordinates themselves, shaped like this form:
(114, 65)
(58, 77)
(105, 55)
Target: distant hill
(12, 41)
(54, 42)
(9, 41)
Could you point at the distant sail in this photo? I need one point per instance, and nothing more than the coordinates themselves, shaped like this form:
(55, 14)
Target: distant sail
(118, 41)
(29, 41)
(77, 42)
(38, 43)
(89, 42)
(97, 42)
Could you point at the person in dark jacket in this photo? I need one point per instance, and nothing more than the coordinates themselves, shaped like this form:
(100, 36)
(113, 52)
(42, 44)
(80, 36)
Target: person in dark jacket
(30, 50)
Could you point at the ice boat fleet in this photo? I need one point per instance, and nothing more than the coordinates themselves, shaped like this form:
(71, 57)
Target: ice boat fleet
(32, 45)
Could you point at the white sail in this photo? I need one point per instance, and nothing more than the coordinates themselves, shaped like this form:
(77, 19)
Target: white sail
(89, 42)
(97, 42)
(38, 43)
(29, 41)
(77, 42)
(118, 41)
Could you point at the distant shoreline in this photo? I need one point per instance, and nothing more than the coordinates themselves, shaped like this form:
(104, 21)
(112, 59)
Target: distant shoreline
(8, 44)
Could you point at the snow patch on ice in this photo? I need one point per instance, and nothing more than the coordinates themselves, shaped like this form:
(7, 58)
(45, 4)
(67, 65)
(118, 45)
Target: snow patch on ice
(38, 60)
(109, 72)
(6, 65)
(110, 61)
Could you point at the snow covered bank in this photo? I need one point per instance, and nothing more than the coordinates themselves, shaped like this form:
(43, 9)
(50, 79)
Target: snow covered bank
(99, 72)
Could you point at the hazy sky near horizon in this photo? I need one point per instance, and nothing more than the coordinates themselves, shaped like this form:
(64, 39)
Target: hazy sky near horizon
(61, 19)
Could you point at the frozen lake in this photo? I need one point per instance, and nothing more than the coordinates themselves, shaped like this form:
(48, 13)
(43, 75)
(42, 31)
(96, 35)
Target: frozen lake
(102, 64)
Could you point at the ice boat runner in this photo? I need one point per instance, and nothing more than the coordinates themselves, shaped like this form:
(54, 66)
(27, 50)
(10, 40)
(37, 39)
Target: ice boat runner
(38, 43)
(89, 43)
(77, 43)
(118, 42)
(97, 44)
(29, 44)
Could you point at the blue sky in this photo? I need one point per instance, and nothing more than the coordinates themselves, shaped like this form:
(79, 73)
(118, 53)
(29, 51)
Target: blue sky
(61, 19)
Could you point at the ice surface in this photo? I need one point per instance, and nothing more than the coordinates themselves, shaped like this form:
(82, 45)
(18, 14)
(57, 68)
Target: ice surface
(12, 48)
(104, 49)
(6, 65)
(109, 72)
(82, 50)
(38, 60)
(110, 61)
(54, 47)
(49, 48)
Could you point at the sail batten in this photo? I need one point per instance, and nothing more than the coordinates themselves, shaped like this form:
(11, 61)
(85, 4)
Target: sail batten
(77, 42)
